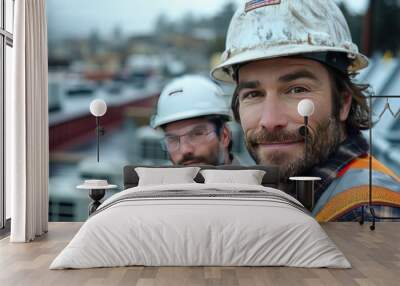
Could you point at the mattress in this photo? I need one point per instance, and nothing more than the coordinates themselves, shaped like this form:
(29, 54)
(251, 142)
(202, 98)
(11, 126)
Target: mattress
(201, 225)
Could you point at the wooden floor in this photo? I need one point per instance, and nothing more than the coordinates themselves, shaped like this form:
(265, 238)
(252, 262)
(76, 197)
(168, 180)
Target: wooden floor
(374, 255)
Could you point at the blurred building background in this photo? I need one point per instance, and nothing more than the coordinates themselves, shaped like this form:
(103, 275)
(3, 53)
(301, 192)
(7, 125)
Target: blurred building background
(125, 52)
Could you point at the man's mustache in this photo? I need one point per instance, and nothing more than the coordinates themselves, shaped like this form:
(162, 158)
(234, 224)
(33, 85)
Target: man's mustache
(189, 158)
(281, 136)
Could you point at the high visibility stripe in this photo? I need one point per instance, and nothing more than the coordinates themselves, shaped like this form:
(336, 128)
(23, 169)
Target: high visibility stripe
(352, 198)
(363, 163)
(355, 179)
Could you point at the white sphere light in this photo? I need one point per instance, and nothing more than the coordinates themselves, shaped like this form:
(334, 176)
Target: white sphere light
(98, 107)
(305, 107)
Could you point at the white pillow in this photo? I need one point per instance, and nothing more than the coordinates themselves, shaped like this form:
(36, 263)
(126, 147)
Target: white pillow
(248, 177)
(164, 176)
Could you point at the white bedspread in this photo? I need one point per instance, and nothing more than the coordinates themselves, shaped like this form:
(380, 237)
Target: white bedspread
(265, 229)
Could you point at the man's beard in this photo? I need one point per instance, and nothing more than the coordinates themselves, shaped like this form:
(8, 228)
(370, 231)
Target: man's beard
(197, 160)
(214, 158)
(321, 142)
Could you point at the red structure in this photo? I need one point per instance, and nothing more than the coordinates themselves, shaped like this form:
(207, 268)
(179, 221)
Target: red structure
(80, 129)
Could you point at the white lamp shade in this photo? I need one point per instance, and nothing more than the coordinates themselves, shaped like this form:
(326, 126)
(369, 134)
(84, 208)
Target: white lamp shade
(305, 107)
(98, 107)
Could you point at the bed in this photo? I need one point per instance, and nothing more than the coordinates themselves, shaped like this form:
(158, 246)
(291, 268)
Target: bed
(201, 223)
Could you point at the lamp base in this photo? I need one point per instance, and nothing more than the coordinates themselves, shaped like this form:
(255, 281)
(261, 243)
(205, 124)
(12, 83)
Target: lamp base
(96, 195)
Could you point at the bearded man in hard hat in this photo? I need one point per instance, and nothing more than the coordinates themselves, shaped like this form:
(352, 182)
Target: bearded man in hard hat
(192, 112)
(279, 52)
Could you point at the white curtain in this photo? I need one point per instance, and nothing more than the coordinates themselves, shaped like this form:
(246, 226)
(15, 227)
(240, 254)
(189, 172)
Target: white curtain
(27, 124)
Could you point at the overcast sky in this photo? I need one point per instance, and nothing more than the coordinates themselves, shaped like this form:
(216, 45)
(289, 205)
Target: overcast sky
(78, 17)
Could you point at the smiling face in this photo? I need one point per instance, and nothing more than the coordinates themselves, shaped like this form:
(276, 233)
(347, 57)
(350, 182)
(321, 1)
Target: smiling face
(268, 94)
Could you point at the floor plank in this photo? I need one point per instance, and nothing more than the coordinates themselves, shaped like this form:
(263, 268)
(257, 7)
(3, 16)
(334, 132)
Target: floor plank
(374, 255)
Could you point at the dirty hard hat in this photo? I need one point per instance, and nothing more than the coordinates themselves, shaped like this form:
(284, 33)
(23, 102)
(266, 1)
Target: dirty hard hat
(187, 97)
(265, 29)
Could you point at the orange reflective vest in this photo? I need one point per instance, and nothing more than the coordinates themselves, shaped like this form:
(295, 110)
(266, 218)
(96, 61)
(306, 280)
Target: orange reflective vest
(350, 190)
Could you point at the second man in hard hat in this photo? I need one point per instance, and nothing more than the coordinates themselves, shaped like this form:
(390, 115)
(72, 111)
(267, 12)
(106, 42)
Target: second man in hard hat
(192, 112)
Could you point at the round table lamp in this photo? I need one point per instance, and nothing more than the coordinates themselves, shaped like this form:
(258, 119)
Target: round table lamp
(305, 108)
(97, 188)
(305, 185)
(98, 108)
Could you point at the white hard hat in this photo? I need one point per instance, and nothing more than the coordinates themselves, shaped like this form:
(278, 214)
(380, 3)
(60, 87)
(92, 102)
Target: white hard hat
(187, 97)
(264, 29)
